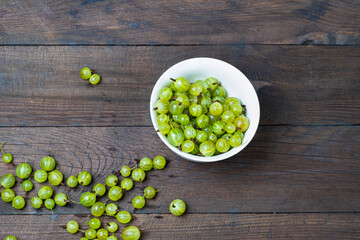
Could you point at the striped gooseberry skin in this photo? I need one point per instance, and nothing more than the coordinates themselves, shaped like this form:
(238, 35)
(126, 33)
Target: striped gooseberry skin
(23, 170)
(47, 163)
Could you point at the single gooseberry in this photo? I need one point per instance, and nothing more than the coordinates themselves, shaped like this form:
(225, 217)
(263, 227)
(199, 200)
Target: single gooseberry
(98, 209)
(115, 193)
(138, 175)
(111, 209)
(112, 180)
(47, 163)
(61, 199)
(18, 202)
(102, 234)
(131, 233)
(55, 177)
(87, 199)
(99, 189)
(112, 227)
(7, 180)
(90, 233)
(125, 171)
(45, 192)
(146, 164)
(127, 184)
(40, 176)
(36, 202)
(177, 207)
(72, 226)
(138, 202)
(27, 185)
(95, 223)
(150, 192)
(159, 162)
(84, 178)
(23, 170)
(123, 217)
(72, 181)
(7, 195)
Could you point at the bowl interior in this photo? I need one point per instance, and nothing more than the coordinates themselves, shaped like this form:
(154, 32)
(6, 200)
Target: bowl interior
(236, 85)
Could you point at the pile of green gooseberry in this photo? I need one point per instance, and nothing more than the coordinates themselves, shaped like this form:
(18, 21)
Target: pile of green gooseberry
(86, 74)
(199, 118)
(88, 199)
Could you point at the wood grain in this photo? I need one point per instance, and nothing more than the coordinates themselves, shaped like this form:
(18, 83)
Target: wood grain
(198, 226)
(40, 86)
(179, 22)
(284, 169)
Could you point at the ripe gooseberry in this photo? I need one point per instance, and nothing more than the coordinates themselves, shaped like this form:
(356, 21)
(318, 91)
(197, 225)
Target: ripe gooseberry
(90, 233)
(40, 176)
(177, 207)
(98, 209)
(131, 233)
(150, 192)
(159, 162)
(85, 73)
(138, 202)
(207, 148)
(95, 223)
(175, 137)
(111, 209)
(36, 202)
(72, 181)
(10, 237)
(7, 180)
(102, 234)
(49, 204)
(146, 164)
(27, 185)
(112, 180)
(87, 199)
(7, 195)
(127, 184)
(47, 163)
(125, 171)
(99, 189)
(115, 193)
(45, 192)
(84, 178)
(18, 202)
(7, 157)
(61, 199)
(138, 175)
(72, 226)
(55, 177)
(94, 79)
(23, 170)
(123, 217)
(112, 227)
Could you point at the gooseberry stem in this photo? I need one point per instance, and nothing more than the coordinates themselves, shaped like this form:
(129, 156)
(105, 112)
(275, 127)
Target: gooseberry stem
(1, 150)
(172, 79)
(74, 201)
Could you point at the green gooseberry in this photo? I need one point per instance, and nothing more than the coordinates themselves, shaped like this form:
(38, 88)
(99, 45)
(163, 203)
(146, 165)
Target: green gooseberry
(177, 207)
(112, 227)
(61, 199)
(7, 180)
(55, 177)
(146, 164)
(127, 184)
(47, 163)
(99, 189)
(45, 192)
(49, 204)
(23, 170)
(98, 209)
(94, 79)
(138, 202)
(207, 148)
(72, 181)
(123, 217)
(18, 202)
(102, 234)
(72, 226)
(125, 171)
(7, 158)
(112, 180)
(138, 175)
(150, 192)
(85, 73)
(7, 195)
(10, 237)
(95, 223)
(90, 233)
(36, 202)
(115, 193)
(159, 162)
(27, 185)
(111, 209)
(84, 178)
(87, 199)
(40, 176)
(131, 233)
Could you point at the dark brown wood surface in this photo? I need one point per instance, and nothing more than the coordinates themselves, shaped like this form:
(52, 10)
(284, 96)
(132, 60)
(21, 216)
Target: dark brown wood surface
(180, 22)
(51, 87)
(298, 179)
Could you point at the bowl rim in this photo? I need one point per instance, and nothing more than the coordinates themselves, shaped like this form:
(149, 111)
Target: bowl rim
(195, 158)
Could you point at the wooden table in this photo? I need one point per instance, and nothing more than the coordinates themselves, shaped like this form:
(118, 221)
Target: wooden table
(298, 179)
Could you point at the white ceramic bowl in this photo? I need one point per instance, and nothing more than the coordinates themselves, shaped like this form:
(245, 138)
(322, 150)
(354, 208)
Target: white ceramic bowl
(236, 85)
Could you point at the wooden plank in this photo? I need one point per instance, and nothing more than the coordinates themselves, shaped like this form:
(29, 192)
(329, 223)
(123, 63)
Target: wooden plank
(284, 169)
(40, 86)
(179, 22)
(198, 226)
